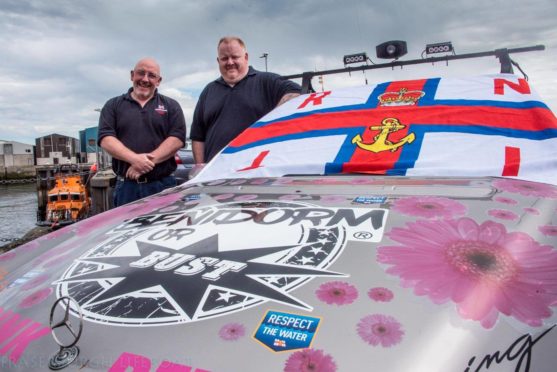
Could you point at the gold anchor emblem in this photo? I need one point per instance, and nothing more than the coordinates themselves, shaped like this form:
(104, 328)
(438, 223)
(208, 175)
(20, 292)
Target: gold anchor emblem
(388, 126)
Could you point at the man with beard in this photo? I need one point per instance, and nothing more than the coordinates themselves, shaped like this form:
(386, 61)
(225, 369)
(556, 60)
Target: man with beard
(234, 101)
(142, 130)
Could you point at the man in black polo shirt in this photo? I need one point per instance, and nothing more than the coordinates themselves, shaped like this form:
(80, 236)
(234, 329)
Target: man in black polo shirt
(234, 101)
(142, 130)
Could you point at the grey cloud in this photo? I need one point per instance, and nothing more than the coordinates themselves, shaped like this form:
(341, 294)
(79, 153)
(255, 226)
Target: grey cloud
(61, 59)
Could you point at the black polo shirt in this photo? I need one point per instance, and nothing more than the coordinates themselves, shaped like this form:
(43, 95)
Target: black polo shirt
(142, 129)
(223, 112)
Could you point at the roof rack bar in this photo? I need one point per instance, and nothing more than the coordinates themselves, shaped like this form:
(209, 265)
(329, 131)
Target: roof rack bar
(502, 54)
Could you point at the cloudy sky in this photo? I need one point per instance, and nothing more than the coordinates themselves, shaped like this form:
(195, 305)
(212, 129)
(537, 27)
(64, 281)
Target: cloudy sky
(62, 59)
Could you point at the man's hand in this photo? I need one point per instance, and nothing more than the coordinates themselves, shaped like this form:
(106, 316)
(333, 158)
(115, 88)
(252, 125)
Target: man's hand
(142, 163)
(132, 174)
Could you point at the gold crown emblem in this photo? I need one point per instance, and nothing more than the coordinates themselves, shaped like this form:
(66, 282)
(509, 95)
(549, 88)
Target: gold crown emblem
(403, 97)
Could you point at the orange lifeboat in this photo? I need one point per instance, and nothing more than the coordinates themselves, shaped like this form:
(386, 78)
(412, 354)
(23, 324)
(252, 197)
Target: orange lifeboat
(68, 201)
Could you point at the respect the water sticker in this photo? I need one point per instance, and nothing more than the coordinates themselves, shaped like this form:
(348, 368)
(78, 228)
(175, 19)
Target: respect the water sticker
(369, 200)
(283, 331)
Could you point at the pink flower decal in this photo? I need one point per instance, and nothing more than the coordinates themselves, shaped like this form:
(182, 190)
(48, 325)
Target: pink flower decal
(533, 211)
(310, 360)
(380, 329)
(29, 247)
(361, 181)
(503, 214)
(429, 207)
(58, 260)
(290, 197)
(483, 269)
(223, 196)
(258, 181)
(526, 188)
(504, 200)
(283, 181)
(548, 230)
(245, 197)
(337, 293)
(35, 298)
(7, 256)
(380, 294)
(38, 280)
(232, 331)
(332, 199)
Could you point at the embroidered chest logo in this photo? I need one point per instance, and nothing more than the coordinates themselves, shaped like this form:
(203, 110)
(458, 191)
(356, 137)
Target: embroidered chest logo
(161, 110)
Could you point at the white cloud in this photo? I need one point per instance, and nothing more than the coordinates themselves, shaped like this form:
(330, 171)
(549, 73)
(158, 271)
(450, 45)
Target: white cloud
(61, 59)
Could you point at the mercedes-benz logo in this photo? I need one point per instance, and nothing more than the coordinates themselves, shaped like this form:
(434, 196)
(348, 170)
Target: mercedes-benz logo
(66, 302)
(67, 353)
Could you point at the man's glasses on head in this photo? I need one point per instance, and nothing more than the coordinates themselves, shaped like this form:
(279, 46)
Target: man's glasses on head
(143, 73)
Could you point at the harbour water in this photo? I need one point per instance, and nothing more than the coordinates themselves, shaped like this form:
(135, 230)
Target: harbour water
(18, 211)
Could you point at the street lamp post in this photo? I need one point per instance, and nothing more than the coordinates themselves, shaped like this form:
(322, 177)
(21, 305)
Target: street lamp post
(98, 154)
(265, 55)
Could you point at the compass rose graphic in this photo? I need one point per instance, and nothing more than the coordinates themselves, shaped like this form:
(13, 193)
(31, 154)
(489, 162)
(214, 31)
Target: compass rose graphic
(146, 281)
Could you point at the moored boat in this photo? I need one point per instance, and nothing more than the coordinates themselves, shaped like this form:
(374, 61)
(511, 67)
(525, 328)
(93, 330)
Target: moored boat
(68, 201)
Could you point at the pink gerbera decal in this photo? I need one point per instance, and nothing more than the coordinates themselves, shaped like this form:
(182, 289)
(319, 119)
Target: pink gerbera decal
(7, 256)
(360, 181)
(332, 199)
(232, 331)
(533, 211)
(380, 294)
(483, 269)
(36, 281)
(223, 196)
(548, 230)
(290, 197)
(526, 188)
(28, 247)
(35, 298)
(380, 329)
(503, 214)
(245, 197)
(504, 200)
(429, 207)
(283, 181)
(310, 360)
(337, 293)
(58, 260)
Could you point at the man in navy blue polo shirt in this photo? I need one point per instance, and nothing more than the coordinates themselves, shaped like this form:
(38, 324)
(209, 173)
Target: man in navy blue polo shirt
(142, 130)
(234, 101)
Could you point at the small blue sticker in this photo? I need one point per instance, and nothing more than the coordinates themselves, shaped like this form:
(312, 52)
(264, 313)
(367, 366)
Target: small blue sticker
(370, 200)
(191, 197)
(283, 331)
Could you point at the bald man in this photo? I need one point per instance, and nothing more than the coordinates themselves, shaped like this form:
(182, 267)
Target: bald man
(142, 130)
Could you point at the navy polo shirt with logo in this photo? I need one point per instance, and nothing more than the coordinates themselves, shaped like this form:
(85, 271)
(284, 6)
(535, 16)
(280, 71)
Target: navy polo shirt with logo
(223, 112)
(142, 129)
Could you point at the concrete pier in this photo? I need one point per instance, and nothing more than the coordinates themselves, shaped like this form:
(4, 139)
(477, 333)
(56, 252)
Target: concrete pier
(102, 185)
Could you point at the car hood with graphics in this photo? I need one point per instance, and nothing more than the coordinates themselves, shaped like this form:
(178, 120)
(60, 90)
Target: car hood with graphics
(441, 257)
(421, 274)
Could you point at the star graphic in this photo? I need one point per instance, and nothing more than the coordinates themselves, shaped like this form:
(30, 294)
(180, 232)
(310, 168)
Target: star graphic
(324, 241)
(188, 290)
(305, 260)
(225, 296)
(316, 250)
